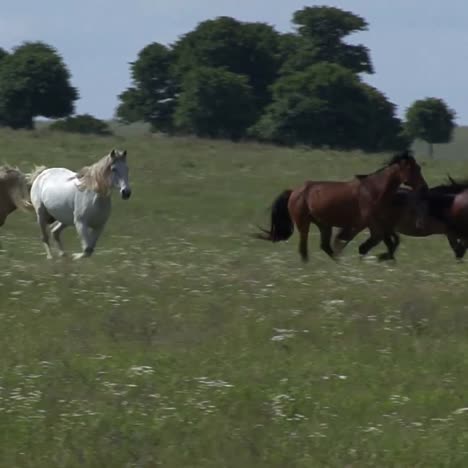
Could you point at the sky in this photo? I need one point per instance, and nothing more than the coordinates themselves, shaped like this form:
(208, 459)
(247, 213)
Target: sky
(419, 48)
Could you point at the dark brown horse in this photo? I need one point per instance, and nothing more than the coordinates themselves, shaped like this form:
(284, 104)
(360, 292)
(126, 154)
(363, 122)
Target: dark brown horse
(445, 209)
(352, 205)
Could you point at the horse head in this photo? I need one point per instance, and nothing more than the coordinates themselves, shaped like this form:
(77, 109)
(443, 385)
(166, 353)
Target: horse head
(409, 170)
(119, 170)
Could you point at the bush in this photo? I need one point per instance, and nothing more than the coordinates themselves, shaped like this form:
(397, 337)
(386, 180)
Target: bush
(84, 123)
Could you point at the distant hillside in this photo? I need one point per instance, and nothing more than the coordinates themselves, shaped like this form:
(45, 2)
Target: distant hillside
(457, 149)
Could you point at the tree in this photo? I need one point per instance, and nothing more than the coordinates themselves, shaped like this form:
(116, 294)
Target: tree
(249, 49)
(215, 103)
(152, 96)
(328, 105)
(319, 38)
(383, 129)
(85, 123)
(34, 81)
(300, 87)
(430, 120)
(3, 54)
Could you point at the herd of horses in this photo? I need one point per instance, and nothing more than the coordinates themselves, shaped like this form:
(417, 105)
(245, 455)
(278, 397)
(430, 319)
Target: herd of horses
(377, 202)
(61, 198)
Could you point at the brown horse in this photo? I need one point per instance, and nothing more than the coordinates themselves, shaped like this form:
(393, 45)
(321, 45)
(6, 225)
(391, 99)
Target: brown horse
(14, 192)
(446, 212)
(352, 205)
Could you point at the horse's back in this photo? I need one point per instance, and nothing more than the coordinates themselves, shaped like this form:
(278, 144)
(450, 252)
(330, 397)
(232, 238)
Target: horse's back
(332, 202)
(54, 189)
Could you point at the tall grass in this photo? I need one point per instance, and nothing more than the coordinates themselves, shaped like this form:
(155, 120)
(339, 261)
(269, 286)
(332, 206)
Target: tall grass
(185, 343)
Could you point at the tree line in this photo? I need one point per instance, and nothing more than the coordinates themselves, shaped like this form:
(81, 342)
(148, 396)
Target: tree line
(239, 80)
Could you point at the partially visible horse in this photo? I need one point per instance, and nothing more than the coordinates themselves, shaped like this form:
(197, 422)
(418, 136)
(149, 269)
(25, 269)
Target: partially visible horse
(352, 205)
(82, 199)
(446, 212)
(14, 192)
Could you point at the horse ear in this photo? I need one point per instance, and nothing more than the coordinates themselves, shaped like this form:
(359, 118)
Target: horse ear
(124, 153)
(112, 154)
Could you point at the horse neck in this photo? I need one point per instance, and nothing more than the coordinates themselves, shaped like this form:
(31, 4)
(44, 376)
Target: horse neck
(95, 175)
(384, 183)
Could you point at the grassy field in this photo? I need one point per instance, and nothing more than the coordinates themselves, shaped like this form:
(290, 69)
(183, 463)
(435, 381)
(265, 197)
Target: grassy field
(185, 343)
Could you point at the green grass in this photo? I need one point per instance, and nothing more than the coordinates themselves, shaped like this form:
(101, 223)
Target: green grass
(185, 343)
(454, 150)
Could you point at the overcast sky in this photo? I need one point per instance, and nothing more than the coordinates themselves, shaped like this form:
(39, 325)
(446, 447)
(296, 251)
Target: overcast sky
(419, 47)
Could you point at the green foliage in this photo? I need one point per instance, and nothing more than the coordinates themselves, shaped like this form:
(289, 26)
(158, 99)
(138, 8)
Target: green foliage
(3, 54)
(321, 31)
(250, 49)
(172, 89)
(34, 81)
(383, 129)
(328, 105)
(160, 72)
(430, 120)
(84, 123)
(300, 87)
(151, 98)
(215, 103)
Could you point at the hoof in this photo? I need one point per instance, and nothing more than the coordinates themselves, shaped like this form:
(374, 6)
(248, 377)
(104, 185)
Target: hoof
(385, 257)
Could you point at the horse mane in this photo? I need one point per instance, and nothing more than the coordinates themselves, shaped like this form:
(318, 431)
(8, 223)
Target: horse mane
(15, 184)
(34, 174)
(96, 177)
(406, 155)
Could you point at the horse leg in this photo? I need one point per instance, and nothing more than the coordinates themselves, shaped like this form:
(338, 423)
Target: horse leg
(396, 241)
(392, 241)
(463, 247)
(42, 221)
(463, 243)
(369, 244)
(343, 238)
(86, 241)
(303, 229)
(89, 238)
(457, 245)
(3, 217)
(56, 231)
(377, 234)
(325, 238)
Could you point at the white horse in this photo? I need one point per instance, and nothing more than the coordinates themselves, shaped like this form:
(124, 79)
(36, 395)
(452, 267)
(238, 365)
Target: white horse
(82, 199)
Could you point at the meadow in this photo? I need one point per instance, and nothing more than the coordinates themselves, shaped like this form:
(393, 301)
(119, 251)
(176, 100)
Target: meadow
(186, 343)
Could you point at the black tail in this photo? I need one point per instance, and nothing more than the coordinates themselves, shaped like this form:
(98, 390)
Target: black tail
(282, 226)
